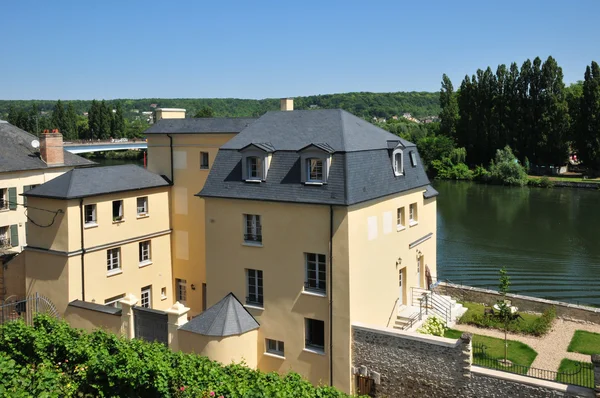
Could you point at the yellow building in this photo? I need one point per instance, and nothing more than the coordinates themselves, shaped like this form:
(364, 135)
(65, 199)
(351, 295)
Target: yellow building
(318, 219)
(98, 234)
(184, 150)
(25, 162)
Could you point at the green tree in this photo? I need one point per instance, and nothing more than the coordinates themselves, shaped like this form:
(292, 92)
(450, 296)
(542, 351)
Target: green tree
(588, 134)
(118, 122)
(12, 115)
(94, 120)
(59, 119)
(105, 120)
(449, 105)
(70, 129)
(505, 168)
(205, 111)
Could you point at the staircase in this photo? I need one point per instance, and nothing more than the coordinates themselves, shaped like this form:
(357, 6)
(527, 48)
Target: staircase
(442, 306)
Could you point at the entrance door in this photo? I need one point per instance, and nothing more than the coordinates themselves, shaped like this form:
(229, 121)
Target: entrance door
(400, 287)
(419, 261)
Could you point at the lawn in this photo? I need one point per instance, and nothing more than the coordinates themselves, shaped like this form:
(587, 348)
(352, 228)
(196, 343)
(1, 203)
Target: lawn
(518, 353)
(570, 179)
(585, 342)
(582, 373)
(530, 324)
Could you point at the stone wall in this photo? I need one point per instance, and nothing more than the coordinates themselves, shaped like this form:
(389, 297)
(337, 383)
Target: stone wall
(407, 364)
(564, 310)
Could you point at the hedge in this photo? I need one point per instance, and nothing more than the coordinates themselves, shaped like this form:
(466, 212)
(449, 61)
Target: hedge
(51, 359)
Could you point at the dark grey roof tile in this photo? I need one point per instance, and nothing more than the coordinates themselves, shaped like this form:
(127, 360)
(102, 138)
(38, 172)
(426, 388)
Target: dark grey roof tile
(213, 125)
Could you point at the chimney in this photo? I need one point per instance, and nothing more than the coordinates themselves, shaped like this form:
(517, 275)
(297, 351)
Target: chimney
(51, 148)
(287, 104)
(169, 113)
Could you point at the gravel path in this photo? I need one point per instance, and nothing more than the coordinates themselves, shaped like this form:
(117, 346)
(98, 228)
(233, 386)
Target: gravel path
(551, 348)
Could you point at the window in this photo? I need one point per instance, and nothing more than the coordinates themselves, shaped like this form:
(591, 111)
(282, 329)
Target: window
(8, 198)
(204, 160)
(412, 215)
(117, 210)
(255, 287)
(90, 214)
(3, 199)
(144, 252)
(253, 168)
(163, 293)
(397, 159)
(316, 279)
(114, 301)
(413, 159)
(142, 206)
(181, 290)
(314, 334)
(400, 216)
(113, 260)
(4, 237)
(315, 170)
(146, 297)
(253, 228)
(275, 347)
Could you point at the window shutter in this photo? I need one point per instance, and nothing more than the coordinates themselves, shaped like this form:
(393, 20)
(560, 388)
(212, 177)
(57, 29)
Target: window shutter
(12, 198)
(14, 235)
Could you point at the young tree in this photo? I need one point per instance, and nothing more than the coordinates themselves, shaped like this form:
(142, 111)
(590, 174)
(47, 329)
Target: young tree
(449, 105)
(505, 308)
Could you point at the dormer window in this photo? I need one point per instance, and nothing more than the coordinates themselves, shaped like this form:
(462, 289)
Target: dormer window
(315, 170)
(398, 162)
(253, 168)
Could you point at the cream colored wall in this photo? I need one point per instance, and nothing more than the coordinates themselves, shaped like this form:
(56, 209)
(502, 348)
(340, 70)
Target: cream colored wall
(288, 231)
(48, 275)
(375, 261)
(222, 349)
(19, 179)
(51, 232)
(187, 210)
(170, 114)
(92, 320)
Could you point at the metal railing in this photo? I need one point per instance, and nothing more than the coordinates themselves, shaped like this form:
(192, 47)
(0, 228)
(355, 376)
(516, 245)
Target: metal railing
(4, 242)
(314, 287)
(583, 375)
(252, 238)
(254, 300)
(26, 308)
(417, 316)
(435, 303)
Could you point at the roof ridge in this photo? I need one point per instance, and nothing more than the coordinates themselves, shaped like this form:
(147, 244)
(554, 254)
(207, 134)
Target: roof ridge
(72, 174)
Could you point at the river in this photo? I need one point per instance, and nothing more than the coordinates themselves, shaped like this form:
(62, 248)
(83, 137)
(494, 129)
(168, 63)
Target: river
(548, 239)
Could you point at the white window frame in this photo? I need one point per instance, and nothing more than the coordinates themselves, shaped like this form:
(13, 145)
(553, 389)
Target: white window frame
(203, 165)
(413, 158)
(253, 229)
(181, 290)
(413, 214)
(120, 217)
(145, 253)
(398, 166)
(400, 219)
(146, 302)
(275, 347)
(258, 168)
(113, 260)
(308, 338)
(318, 284)
(114, 301)
(255, 289)
(143, 208)
(4, 205)
(309, 168)
(94, 215)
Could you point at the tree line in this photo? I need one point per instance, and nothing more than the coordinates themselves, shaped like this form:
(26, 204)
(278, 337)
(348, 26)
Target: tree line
(528, 109)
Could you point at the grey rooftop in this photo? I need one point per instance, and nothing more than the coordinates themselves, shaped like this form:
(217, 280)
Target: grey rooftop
(17, 154)
(211, 125)
(228, 317)
(92, 181)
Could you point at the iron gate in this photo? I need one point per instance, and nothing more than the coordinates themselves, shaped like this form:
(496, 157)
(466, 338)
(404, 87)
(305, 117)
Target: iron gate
(365, 385)
(14, 308)
(151, 325)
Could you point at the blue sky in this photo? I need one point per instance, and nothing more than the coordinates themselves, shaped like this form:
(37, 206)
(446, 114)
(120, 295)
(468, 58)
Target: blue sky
(262, 49)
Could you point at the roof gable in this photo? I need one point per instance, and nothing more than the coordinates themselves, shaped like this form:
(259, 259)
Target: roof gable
(263, 146)
(325, 147)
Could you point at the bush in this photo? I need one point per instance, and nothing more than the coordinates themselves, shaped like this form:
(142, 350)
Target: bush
(505, 168)
(543, 182)
(481, 174)
(446, 170)
(434, 326)
(51, 359)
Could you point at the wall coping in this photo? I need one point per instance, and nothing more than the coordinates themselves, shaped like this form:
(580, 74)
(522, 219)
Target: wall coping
(564, 388)
(423, 338)
(523, 297)
(95, 307)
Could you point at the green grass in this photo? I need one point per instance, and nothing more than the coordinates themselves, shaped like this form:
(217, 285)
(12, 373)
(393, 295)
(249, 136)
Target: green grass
(536, 325)
(583, 373)
(518, 353)
(569, 179)
(585, 342)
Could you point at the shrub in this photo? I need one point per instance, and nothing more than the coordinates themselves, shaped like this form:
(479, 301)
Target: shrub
(434, 326)
(505, 168)
(446, 170)
(481, 174)
(546, 182)
(51, 359)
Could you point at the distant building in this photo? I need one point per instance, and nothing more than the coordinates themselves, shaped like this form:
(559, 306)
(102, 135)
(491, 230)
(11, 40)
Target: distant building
(153, 105)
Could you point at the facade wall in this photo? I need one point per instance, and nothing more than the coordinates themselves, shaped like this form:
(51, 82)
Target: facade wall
(48, 275)
(13, 277)
(222, 349)
(187, 210)
(379, 251)
(50, 232)
(288, 232)
(92, 320)
(19, 180)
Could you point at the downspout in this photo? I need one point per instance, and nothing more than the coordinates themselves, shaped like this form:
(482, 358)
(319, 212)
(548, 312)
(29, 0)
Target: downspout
(171, 149)
(82, 250)
(331, 295)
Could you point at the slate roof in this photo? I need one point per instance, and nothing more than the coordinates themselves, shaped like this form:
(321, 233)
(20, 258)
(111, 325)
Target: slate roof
(81, 183)
(228, 317)
(430, 192)
(211, 125)
(361, 167)
(16, 152)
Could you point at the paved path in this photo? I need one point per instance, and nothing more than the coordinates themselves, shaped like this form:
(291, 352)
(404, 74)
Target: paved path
(551, 348)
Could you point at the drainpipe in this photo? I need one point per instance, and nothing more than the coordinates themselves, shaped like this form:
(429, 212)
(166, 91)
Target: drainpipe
(331, 295)
(82, 250)
(171, 149)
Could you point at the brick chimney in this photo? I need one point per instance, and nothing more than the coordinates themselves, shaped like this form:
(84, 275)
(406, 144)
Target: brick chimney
(287, 104)
(51, 148)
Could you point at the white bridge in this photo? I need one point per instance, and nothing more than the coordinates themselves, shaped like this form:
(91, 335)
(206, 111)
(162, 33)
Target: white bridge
(104, 146)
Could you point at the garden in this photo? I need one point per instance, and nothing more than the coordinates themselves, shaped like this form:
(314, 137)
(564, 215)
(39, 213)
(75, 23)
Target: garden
(51, 359)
